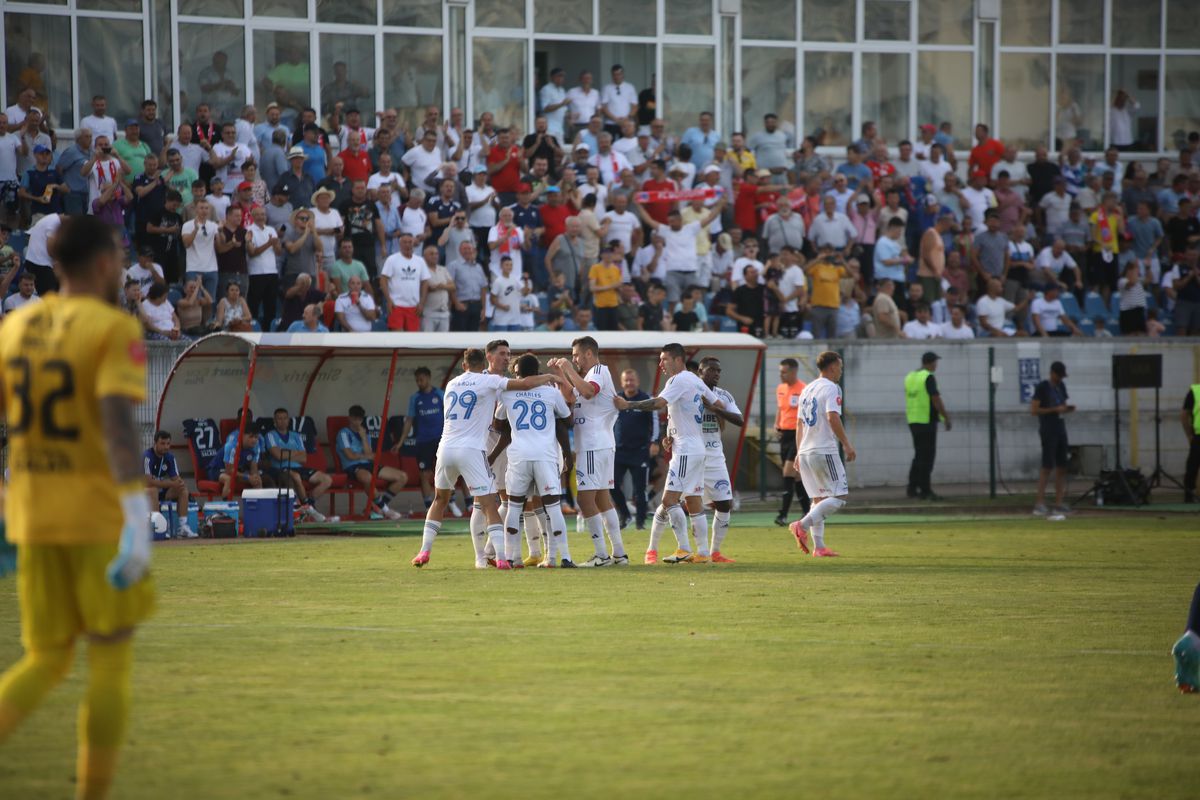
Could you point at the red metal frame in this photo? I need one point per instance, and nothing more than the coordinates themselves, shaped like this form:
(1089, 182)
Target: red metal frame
(737, 454)
(237, 447)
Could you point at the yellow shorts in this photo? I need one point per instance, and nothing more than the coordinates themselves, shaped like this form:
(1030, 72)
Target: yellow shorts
(64, 592)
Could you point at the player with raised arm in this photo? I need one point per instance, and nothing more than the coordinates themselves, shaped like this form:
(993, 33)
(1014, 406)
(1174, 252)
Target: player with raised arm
(718, 489)
(818, 432)
(595, 447)
(73, 370)
(470, 406)
(533, 425)
(686, 398)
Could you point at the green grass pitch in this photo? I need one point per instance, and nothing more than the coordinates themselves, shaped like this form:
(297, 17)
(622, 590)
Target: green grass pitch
(1001, 658)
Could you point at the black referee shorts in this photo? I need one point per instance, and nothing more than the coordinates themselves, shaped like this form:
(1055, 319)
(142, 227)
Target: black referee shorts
(787, 446)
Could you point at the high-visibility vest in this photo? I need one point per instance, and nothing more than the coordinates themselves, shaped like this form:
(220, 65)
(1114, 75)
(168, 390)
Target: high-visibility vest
(1196, 407)
(917, 405)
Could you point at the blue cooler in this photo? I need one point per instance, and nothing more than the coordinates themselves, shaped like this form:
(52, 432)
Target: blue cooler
(167, 509)
(268, 512)
(193, 516)
(229, 509)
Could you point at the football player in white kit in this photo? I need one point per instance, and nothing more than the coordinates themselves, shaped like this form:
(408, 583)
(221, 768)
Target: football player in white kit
(718, 489)
(534, 424)
(595, 448)
(818, 431)
(686, 398)
(469, 407)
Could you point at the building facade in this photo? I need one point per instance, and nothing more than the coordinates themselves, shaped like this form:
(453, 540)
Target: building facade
(1033, 69)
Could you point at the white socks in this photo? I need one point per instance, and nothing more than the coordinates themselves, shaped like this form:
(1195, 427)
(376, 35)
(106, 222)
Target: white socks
(558, 532)
(679, 524)
(532, 535)
(432, 527)
(657, 526)
(595, 526)
(700, 530)
(512, 527)
(612, 524)
(720, 527)
(815, 519)
(496, 540)
(479, 533)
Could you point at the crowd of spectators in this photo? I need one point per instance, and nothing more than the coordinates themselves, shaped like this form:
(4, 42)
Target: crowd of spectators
(603, 217)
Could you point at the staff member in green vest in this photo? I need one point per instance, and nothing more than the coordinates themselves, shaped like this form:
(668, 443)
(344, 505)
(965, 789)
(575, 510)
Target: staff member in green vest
(923, 407)
(1190, 417)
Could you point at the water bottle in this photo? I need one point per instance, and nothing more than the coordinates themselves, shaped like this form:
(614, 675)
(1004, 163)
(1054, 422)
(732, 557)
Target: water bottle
(1099, 497)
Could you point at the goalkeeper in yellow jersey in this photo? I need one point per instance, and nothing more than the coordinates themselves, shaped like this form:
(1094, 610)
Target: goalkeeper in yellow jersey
(72, 370)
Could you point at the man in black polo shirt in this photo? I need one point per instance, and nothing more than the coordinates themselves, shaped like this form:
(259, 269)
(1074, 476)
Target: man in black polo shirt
(747, 308)
(636, 434)
(1049, 404)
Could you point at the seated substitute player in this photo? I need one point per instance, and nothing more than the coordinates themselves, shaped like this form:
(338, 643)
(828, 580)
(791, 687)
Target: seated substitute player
(165, 483)
(470, 408)
(817, 436)
(72, 373)
(357, 455)
(685, 397)
(287, 454)
(249, 461)
(718, 489)
(595, 445)
(424, 422)
(534, 424)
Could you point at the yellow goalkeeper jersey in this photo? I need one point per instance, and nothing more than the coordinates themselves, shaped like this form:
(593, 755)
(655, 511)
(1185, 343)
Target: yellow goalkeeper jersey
(58, 358)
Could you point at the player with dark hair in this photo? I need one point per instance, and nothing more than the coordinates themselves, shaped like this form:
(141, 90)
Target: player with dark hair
(818, 434)
(718, 488)
(72, 373)
(165, 483)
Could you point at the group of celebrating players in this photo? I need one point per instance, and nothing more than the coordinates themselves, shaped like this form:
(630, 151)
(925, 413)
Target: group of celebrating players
(526, 422)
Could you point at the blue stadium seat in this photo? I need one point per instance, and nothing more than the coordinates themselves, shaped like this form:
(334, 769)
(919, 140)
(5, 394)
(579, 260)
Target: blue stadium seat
(18, 240)
(275, 324)
(1071, 306)
(254, 326)
(379, 325)
(1093, 305)
(1114, 306)
(728, 325)
(1086, 326)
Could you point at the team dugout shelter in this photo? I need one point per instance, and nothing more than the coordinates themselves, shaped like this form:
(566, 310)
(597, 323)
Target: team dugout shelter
(317, 377)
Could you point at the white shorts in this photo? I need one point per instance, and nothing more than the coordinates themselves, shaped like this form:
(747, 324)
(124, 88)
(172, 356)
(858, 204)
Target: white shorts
(685, 474)
(499, 469)
(533, 479)
(594, 470)
(717, 487)
(823, 475)
(470, 464)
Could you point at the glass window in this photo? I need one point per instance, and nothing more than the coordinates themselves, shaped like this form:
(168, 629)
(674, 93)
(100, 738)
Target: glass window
(281, 71)
(1025, 22)
(348, 74)
(1079, 108)
(499, 14)
(212, 69)
(211, 8)
(431, 54)
(413, 13)
(116, 72)
(829, 21)
(828, 85)
(1136, 23)
(163, 80)
(1182, 100)
(768, 86)
(1025, 99)
(1137, 76)
(562, 16)
(1183, 25)
(985, 96)
(293, 9)
(1079, 22)
(626, 18)
(37, 55)
(689, 17)
(687, 84)
(354, 12)
(886, 20)
(412, 75)
(945, 22)
(728, 119)
(499, 80)
(944, 82)
(129, 6)
(884, 92)
(768, 19)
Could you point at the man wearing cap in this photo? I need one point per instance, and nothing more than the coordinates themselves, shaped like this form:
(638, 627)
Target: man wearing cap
(296, 183)
(923, 409)
(1048, 405)
(552, 99)
(42, 187)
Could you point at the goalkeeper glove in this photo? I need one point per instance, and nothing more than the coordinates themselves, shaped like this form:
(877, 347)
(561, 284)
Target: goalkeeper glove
(133, 555)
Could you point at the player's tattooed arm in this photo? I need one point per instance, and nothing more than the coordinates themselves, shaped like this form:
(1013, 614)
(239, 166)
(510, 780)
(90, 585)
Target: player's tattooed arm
(121, 438)
(652, 404)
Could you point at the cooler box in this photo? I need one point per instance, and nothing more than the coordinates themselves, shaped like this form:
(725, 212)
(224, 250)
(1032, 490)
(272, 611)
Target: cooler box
(167, 509)
(225, 507)
(193, 516)
(268, 512)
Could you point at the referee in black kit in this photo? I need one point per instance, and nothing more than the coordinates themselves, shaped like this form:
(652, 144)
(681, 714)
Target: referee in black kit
(1048, 405)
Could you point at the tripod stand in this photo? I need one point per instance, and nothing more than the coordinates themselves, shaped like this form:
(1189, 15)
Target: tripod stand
(1156, 477)
(1119, 471)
